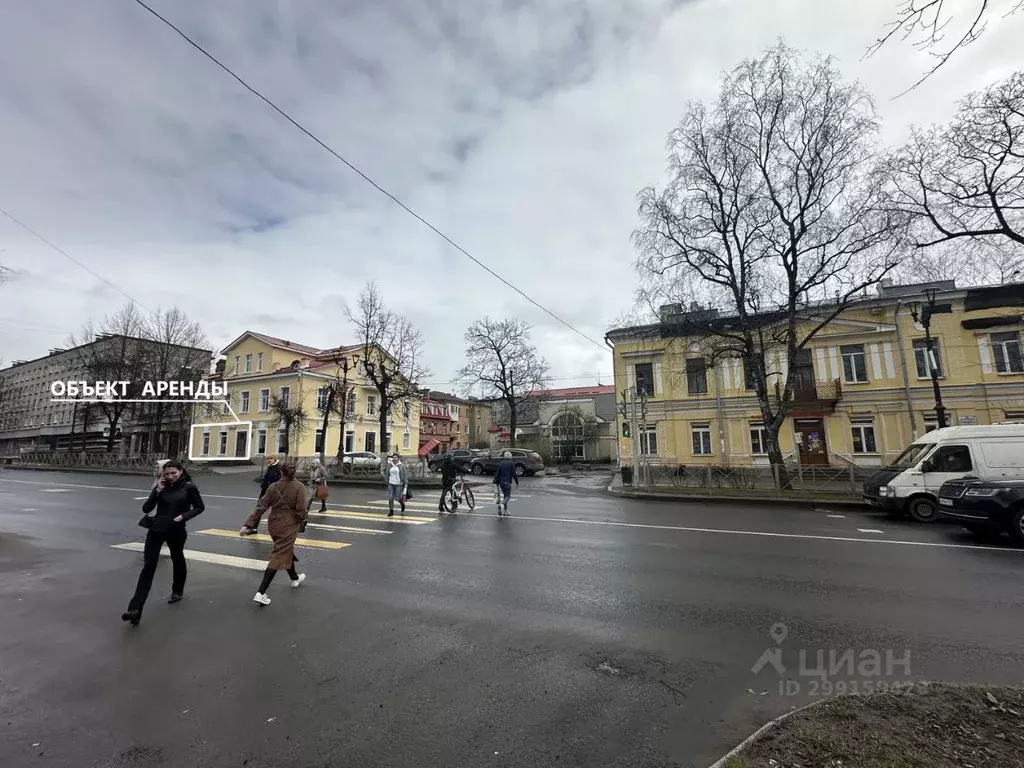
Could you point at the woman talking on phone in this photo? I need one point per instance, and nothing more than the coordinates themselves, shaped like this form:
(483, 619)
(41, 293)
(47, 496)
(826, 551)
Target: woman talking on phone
(176, 501)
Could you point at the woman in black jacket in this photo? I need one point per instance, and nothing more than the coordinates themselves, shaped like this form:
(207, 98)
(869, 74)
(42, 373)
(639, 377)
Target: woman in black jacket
(176, 500)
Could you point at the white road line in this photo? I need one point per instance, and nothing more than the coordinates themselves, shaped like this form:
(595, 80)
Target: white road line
(838, 516)
(56, 490)
(346, 528)
(141, 498)
(870, 530)
(939, 544)
(203, 557)
(30, 510)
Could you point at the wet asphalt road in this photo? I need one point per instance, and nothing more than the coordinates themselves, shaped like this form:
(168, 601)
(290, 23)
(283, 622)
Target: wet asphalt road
(586, 630)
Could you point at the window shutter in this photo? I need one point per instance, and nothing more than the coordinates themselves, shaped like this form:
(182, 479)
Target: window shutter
(657, 378)
(983, 350)
(630, 378)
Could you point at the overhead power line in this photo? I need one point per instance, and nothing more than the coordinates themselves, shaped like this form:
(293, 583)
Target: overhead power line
(68, 256)
(365, 177)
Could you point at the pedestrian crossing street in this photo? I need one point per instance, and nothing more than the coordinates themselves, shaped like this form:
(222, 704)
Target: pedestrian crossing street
(335, 530)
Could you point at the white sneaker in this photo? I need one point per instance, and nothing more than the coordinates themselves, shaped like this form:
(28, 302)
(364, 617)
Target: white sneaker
(261, 599)
(298, 582)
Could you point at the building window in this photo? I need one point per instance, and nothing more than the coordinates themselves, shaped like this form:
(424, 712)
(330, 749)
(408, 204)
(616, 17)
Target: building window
(208, 409)
(924, 361)
(1006, 347)
(371, 407)
(206, 443)
(248, 363)
(758, 443)
(406, 410)
(222, 445)
(406, 441)
(350, 441)
(855, 363)
(243, 400)
(696, 376)
(645, 378)
(259, 361)
(261, 442)
(387, 443)
(370, 440)
(453, 411)
(226, 406)
(323, 394)
(318, 441)
(351, 407)
(264, 400)
(649, 441)
(748, 376)
(700, 434)
(282, 441)
(864, 437)
(285, 396)
(237, 358)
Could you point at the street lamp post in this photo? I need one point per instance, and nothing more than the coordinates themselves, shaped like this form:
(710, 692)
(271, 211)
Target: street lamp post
(924, 316)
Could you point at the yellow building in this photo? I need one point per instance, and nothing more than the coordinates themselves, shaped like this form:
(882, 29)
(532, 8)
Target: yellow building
(862, 389)
(258, 369)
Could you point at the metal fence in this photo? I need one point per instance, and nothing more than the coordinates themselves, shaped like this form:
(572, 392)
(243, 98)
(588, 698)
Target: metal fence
(80, 460)
(839, 480)
(415, 468)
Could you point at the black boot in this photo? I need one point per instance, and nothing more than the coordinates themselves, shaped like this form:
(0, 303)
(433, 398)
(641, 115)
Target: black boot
(132, 615)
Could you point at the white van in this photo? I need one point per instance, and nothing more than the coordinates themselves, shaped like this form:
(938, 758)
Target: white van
(911, 484)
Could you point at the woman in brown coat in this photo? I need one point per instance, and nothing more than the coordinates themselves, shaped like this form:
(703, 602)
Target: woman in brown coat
(286, 500)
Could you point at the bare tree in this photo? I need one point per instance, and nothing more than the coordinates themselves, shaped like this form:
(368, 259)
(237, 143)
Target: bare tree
(969, 262)
(391, 350)
(965, 181)
(332, 399)
(501, 359)
(177, 350)
(770, 218)
(292, 416)
(115, 351)
(927, 24)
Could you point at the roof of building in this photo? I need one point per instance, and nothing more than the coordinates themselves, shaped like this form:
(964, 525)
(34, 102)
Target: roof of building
(599, 389)
(274, 341)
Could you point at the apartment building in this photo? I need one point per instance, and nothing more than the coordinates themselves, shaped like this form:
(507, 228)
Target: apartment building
(469, 422)
(862, 387)
(31, 423)
(261, 371)
(437, 427)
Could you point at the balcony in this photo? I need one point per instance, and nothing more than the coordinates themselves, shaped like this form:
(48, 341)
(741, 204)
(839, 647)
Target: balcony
(810, 395)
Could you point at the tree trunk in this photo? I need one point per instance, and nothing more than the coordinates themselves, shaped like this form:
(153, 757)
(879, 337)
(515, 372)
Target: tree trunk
(775, 458)
(383, 446)
(512, 423)
(112, 422)
(326, 423)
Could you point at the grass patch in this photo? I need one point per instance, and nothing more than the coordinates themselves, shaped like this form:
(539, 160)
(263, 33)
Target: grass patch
(928, 726)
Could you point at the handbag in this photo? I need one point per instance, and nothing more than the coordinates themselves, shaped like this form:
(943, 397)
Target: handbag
(321, 493)
(146, 522)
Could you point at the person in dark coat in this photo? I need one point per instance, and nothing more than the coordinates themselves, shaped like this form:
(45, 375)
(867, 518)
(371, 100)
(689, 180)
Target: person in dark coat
(286, 500)
(449, 471)
(176, 500)
(503, 479)
(271, 476)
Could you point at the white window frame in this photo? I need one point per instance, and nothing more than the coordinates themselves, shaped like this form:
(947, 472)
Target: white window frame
(371, 405)
(352, 404)
(248, 363)
(645, 440)
(921, 345)
(758, 429)
(280, 438)
(322, 394)
(206, 444)
(863, 355)
(222, 443)
(406, 441)
(453, 411)
(350, 441)
(264, 401)
(1001, 355)
(319, 440)
(237, 359)
(862, 426)
(702, 428)
(285, 394)
(259, 362)
(261, 442)
(243, 401)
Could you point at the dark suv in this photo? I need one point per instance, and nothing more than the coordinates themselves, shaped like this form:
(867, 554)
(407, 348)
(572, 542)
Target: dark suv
(985, 507)
(527, 462)
(461, 457)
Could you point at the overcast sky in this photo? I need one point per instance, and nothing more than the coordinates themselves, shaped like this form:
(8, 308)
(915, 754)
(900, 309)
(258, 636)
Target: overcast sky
(522, 129)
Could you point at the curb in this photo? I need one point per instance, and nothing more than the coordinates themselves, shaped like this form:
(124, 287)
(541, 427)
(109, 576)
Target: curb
(84, 470)
(720, 763)
(771, 501)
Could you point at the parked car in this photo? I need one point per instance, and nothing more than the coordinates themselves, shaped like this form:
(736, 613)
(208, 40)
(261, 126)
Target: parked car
(911, 484)
(461, 456)
(526, 462)
(987, 508)
(361, 460)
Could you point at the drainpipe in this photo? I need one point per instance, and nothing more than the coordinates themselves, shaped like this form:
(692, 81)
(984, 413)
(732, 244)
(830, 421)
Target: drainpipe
(903, 365)
(721, 414)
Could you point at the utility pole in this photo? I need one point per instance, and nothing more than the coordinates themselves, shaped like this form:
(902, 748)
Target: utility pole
(923, 315)
(643, 431)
